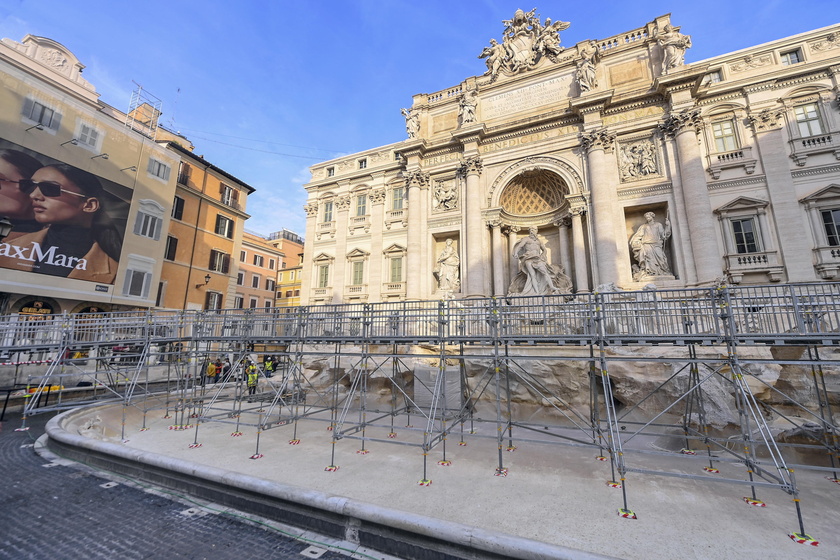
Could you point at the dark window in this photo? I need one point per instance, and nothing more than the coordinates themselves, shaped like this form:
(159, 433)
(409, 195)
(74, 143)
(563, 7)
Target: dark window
(831, 221)
(178, 208)
(224, 226)
(171, 248)
(219, 262)
(745, 238)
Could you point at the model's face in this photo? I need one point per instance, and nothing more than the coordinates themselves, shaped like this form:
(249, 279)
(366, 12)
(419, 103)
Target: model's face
(13, 203)
(65, 209)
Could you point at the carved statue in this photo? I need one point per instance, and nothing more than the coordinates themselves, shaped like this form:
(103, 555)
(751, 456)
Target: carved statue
(637, 160)
(447, 269)
(412, 122)
(525, 41)
(648, 245)
(585, 73)
(536, 276)
(674, 45)
(445, 196)
(467, 106)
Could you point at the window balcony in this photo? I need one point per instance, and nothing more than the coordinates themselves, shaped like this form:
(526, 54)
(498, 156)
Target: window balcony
(325, 228)
(356, 292)
(737, 265)
(396, 217)
(827, 262)
(801, 148)
(393, 288)
(742, 157)
(360, 222)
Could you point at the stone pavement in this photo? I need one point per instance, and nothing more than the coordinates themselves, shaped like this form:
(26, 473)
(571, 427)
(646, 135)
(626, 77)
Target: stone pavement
(60, 510)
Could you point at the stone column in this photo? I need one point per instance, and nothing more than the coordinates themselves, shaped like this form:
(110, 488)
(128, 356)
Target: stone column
(795, 248)
(309, 244)
(474, 230)
(513, 264)
(339, 275)
(499, 287)
(563, 226)
(599, 145)
(416, 183)
(581, 278)
(685, 128)
(377, 222)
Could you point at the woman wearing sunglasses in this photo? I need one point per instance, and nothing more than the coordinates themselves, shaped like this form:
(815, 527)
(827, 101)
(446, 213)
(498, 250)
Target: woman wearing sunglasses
(14, 204)
(79, 240)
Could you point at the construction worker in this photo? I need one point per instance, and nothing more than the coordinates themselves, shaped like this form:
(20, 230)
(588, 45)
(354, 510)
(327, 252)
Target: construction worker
(211, 372)
(253, 376)
(269, 366)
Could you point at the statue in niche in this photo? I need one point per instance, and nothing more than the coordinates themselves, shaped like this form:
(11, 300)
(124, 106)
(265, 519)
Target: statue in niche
(585, 73)
(648, 245)
(445, 196)
(674, 44)
(447, 269)
(467, 106)
(412, 122)
(536, 276)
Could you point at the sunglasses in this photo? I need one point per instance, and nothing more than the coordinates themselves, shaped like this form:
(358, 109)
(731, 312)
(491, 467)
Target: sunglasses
(49, 189)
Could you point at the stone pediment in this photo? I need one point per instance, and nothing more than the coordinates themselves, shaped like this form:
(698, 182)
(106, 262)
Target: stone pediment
(323, 258)
(357, 254)
(741, 203)
(54, 57)
(394, 249)
(831, 192)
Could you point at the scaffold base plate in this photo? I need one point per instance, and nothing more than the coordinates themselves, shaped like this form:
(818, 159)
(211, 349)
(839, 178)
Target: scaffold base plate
(501, 472)
(613, 484)
(294, 442)
(711, 470)
(802, 538)
(626, 514)
(331, 468)
(445, 463)
(424, 482)
(756, 503)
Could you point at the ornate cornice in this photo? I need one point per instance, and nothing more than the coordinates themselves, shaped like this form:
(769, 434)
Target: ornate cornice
(655, 100)
(675, 123)
(816, 171)
(760, 180)
(641, 192)
(471, 166)
(598, 139)
(766, 120)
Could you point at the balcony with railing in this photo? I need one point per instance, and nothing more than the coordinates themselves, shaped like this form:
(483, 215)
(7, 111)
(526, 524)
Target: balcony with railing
(827, 262)
(359, 222)
(396, 217)
(742, 157)
(802, 148)
(355, 292)
(325, 228)
(767, 262)
(393, 289)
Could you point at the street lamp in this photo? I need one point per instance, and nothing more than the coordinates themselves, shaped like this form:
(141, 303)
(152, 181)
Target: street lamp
(5, 227)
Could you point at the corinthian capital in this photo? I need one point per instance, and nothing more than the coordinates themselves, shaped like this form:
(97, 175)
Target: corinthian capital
(311, 210)
(417, 179)
(343, 202)
(601, 138)
(470, 166)
(677, 122)
(377, 196)
(768, 119)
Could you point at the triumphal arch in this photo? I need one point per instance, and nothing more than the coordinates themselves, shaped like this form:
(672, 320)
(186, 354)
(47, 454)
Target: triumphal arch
(607, 162)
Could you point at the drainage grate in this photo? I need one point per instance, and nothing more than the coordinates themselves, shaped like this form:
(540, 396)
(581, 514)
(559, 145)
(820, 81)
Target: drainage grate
(313, 552)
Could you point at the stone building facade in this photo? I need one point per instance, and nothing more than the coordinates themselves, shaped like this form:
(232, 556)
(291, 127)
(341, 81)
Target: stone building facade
(607, 162)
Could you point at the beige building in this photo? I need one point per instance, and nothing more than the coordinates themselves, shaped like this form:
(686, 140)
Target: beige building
(630, 166)
(88, 193)
(291, 268)
(256, 279)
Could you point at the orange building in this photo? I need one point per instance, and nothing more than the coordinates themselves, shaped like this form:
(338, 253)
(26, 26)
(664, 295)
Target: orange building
(205, 236)
(289, 275)
(256, 278)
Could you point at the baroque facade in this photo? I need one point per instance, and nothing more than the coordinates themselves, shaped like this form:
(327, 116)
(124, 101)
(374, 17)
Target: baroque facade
(608, 162)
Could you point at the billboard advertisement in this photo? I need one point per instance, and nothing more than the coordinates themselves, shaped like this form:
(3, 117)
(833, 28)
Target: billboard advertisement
(66, 221)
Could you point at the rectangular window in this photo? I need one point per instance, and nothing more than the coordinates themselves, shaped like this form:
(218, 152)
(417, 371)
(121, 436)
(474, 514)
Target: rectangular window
(258, 260)
(147, 226)
(137, 283)
(323, 276)
(88, 135)
(712, 78)
(219, 261)
(184, 172)
(288, 293)
(158, 169)
(238, 301)
(255, 281)
(358, 273)
(224, 226)
(229, 195)
(269, 284)
(161, 293)
(253, 303)
(267, 303)
(242, 256)
(282, 265)
(363, 164)
(271, 264)
(328, 212)
(745, 236)
(831, 222)
(725, 139)
(213, 300)
(361, 205)
(41, 114)
(791, 57)
(240, 278)
(171, 248)
(178, 208)
(808, 120)
(396, 269)
(330, 171)
(397, 198)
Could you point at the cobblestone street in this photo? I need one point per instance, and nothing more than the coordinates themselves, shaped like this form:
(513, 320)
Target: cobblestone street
(53, 510)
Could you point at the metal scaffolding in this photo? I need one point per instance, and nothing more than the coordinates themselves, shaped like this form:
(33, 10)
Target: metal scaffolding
(446, 366)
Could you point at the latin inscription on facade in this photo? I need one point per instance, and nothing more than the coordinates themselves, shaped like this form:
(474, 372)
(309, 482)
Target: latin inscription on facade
(549, 92)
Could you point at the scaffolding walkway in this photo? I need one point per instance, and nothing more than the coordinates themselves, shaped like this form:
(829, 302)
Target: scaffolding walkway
(424, 373)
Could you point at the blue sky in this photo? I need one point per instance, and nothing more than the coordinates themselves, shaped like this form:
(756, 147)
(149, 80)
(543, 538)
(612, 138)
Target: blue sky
(264, 89)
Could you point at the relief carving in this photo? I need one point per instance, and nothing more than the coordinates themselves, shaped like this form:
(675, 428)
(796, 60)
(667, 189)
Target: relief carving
(832, 41)
(445, 196)
(637, 160)
(54, 59)
(525, 42)
(751, 62)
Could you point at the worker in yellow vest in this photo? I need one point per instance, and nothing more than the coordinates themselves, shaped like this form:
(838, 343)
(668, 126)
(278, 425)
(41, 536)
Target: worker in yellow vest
(253, 377)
